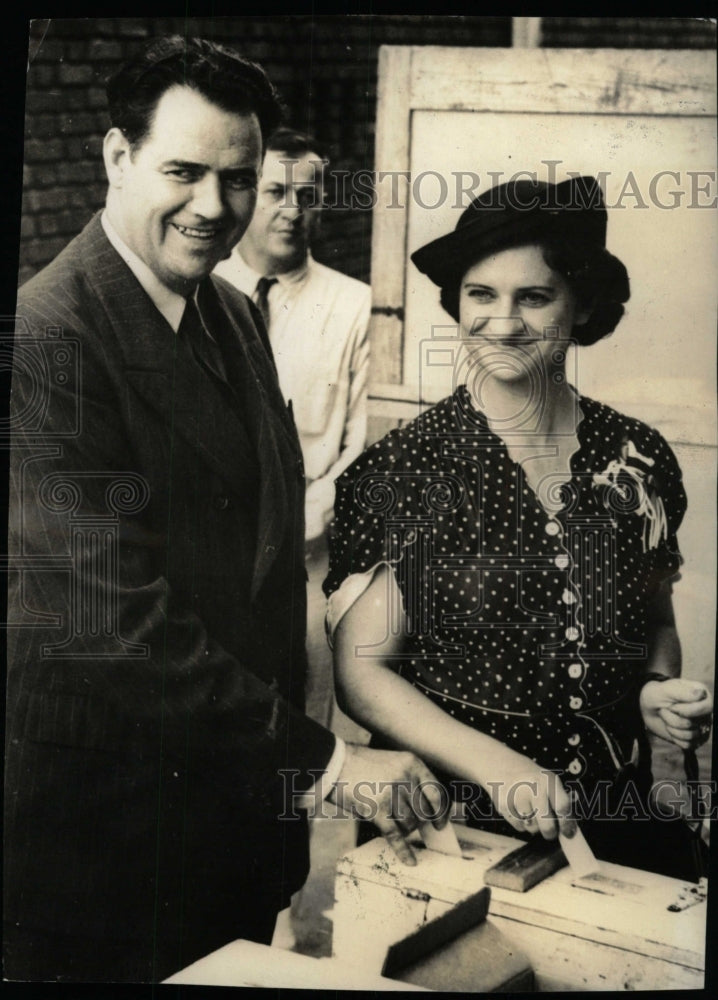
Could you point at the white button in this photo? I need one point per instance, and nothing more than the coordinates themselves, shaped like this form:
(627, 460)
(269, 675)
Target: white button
(575, 766)
(574, 739)
(552, 528)
(568, 597)
(575, 670)
(575, 702)
(572, 633)
(562, 560)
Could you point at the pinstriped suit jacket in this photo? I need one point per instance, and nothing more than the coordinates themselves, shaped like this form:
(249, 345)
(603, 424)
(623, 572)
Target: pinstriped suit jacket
(157, 616)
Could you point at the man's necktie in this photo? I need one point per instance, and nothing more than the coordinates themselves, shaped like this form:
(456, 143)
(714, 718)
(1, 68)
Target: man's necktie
(204, 346)
(261, 298)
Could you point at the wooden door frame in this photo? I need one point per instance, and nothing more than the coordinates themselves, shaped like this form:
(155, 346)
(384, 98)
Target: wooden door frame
(554, 81)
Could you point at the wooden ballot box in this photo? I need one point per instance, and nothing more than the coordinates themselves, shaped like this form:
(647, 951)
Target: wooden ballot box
(248, 964)
(618, 929)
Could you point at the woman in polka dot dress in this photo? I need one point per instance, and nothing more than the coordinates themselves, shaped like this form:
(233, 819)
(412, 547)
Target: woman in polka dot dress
(499, 586)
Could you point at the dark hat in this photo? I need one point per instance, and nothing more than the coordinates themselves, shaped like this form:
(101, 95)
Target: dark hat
(514, 213)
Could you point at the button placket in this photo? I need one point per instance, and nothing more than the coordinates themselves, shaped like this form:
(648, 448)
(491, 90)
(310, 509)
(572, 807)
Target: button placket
(562, 560)
(570, 599)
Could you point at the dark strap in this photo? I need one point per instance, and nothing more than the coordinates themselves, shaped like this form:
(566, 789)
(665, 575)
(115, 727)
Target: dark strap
(695, 821)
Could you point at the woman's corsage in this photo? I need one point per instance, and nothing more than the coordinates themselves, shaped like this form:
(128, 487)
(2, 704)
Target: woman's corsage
(630, 488)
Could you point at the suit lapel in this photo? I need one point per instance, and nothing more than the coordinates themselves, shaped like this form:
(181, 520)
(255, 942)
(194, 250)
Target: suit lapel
(255, 435)
(162, 371)
(280, 490)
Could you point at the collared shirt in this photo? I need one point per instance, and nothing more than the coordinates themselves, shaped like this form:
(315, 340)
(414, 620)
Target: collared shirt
(170, 304)
(318, 330)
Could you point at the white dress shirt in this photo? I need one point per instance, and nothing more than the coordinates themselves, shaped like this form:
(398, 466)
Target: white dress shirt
(318, 329)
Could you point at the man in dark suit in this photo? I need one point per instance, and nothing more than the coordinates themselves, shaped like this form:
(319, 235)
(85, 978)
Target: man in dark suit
(156, 741)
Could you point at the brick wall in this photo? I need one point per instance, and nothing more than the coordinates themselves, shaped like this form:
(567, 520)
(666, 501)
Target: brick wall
(325, 68)
(628, 32)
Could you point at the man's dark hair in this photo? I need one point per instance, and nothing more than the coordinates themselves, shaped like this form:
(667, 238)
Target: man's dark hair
(218, 73)
(296, 144)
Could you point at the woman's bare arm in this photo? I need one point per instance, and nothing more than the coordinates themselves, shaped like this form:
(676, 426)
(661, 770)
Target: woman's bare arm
(379, 699)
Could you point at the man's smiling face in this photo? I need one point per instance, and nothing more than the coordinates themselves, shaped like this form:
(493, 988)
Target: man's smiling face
(185, 195)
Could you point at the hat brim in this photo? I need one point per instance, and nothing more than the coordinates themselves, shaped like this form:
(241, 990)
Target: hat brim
(445, 260)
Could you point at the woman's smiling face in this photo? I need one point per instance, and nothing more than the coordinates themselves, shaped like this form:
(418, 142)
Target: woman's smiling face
(514, 310)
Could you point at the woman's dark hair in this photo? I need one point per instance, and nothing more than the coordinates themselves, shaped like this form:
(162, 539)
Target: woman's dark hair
(218, 73)
(597, 279)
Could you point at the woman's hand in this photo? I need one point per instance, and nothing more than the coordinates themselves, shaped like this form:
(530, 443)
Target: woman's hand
(677, 710)
(532, 799)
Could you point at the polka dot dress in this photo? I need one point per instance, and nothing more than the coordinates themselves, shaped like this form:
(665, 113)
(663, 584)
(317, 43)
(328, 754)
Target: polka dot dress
(526, 623)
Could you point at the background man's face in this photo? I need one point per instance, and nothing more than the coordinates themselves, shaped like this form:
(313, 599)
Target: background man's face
(287, 214)
(186, 195)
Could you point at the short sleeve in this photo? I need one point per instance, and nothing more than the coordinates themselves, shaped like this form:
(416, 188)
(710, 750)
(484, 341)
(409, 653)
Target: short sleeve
(367, 494)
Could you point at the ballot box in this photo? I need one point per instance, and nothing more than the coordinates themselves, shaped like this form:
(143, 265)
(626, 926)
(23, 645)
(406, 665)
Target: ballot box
(248, 964)
(617, 929)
